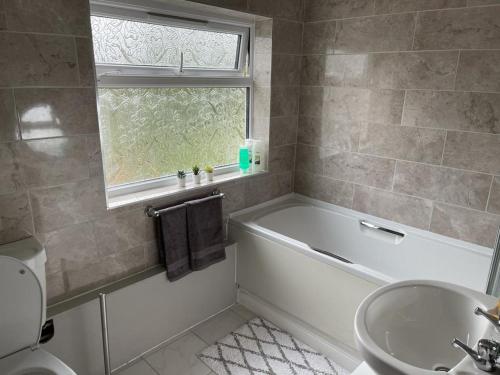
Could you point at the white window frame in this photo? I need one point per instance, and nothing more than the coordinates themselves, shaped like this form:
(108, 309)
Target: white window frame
(125, 76)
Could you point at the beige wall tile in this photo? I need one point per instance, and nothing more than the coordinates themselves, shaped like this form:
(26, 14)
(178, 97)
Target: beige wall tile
(309, 159)
(396, 6)
(477, 152)
(335, 70)
(234, 199)
(402, 142)
(283, 130)
(262, 69)
(352, 104)
(482, 2)
(325, 189)
(121, 231)
(479, 71)
(93, 144)
(416, 70)
(330, 9)
(287, 37)
(56, 287)
(468, 28)
(494, 202)
(49, 16)
(151, 255)
(400, 208)
(37, 60)
(360, 169)
(319, 37)
(284, 101)
(70, 248)
(105, 270)
(465, 224)
(335, 135)
(11, 179)
(8, 120)
(73, 203)
(53, 161)
(46, 113)
(263, 37)
(385, 106)
(281, 159)
(447, 185)
(290, 9)
(286, 70)
(375, 34)
(85, 55)
(266, 187)
(478, 112)
(15, 217)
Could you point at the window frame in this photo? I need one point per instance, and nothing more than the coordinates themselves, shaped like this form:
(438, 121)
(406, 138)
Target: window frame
(122, 76)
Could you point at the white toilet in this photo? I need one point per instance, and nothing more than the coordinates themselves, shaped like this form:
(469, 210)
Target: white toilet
(22, 311)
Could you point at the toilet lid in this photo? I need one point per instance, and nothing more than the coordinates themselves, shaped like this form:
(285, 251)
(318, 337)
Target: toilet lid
(20, 306)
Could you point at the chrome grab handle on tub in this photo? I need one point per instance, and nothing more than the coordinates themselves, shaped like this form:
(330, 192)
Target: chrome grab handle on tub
(378, 227)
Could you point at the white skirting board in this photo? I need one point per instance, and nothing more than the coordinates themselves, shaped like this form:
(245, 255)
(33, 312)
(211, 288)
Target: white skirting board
(141, 316)
(342, 354)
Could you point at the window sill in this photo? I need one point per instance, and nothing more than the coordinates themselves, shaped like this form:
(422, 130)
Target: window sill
(174, 190)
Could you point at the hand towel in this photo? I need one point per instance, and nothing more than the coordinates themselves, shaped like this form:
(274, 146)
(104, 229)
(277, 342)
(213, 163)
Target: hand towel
(173, 241)
(205, 232)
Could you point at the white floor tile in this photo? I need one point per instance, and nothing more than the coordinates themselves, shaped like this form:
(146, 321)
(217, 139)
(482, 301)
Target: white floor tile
(139, 368)
(219, 326)
(179, 357)
(243, 312)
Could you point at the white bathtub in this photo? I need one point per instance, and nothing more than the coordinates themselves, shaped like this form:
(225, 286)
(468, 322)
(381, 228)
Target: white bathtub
(277, 262)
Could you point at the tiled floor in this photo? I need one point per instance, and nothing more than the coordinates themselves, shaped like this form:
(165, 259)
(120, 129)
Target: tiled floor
(179, 357)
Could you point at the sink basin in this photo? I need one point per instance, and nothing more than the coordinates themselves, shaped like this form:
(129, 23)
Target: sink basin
(408, 327)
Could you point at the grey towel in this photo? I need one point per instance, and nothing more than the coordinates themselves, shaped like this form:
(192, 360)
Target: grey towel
(173, 241)
(205, 232)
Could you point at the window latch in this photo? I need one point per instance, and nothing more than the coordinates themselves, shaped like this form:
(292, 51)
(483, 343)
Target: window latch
(181, 66)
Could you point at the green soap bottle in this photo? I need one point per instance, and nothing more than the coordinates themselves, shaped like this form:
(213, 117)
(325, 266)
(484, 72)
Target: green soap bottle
(244, 159)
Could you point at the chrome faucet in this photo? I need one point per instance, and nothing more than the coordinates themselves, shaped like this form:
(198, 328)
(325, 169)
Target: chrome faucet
(494, 319)
(487, 355)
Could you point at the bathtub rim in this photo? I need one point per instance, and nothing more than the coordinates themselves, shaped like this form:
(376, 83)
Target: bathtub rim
(247, 218)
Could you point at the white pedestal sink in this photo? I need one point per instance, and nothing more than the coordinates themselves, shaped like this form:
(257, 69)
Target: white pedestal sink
(407, 328)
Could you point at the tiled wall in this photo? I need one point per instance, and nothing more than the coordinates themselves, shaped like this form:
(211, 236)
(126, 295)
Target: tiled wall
(400, 112)
(51, 180)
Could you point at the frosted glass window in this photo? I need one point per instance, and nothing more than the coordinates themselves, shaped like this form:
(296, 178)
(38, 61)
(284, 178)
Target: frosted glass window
(153, 132)
(126, 42)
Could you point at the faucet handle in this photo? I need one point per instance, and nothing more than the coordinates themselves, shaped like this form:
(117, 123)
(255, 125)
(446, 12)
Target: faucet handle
(494, 319)
(484, 359)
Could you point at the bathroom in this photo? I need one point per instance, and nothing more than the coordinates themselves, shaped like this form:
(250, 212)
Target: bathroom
(349, 151)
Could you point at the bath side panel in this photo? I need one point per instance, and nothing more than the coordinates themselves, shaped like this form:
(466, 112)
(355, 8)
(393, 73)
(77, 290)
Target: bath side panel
(317, 293)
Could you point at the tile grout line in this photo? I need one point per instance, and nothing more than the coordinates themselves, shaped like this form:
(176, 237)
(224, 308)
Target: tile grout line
(77, 61)
(489, 193)
(406, 161)
(456, 70)
(417, 18)
(407, 195)
(444, 147)
(464, 8)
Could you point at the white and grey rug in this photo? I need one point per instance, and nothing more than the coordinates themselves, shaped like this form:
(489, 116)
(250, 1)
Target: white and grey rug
(259, 347)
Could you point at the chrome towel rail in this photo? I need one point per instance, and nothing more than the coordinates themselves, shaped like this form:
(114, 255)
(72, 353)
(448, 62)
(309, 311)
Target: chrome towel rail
(153, 212)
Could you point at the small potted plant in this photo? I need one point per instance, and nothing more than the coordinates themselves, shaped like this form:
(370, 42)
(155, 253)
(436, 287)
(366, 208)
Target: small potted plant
(209, 171)
(181, 178)
(196, 175)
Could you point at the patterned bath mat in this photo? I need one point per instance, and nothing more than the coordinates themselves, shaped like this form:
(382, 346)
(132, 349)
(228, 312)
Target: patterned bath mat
(259, 347)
